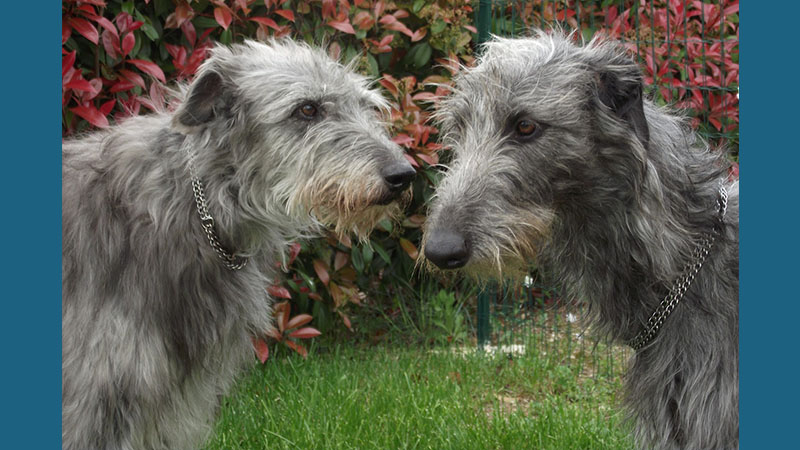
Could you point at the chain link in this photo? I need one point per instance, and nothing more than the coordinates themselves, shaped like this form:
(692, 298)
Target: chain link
(231, 261)
(678, 290)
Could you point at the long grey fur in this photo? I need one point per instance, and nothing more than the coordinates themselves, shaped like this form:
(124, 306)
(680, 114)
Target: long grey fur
(611, 195)
(155, 328)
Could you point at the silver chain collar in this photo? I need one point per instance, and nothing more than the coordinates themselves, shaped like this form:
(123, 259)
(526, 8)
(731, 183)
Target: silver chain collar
(682, 285)
(231, 261)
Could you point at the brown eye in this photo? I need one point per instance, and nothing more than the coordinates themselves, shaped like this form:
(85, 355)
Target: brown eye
(525, 127)
(308, 111)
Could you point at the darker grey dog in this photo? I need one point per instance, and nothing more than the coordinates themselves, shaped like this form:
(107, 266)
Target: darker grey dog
(558, 159)
(174, 225)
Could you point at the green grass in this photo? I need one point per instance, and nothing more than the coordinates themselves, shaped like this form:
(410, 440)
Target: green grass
(397, 398)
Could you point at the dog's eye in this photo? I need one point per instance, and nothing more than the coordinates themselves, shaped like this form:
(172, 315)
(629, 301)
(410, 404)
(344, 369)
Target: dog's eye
(525, 127)
(308, 110)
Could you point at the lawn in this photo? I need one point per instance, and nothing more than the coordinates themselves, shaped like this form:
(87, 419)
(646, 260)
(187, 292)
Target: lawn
(396, 397)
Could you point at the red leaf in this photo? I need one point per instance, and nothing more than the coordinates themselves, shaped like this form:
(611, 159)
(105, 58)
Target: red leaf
(122, 85)
(431, 160)
(409, 247)
(106, 107)
(242, 4)
(79, 84)
(266, 21)
(403, 139)
(298, 321)
(285, 13)
(85, 28)
(107, 25)
(66, 31)
(298, 348)
(92, 115)
(340, 260)
(411, 160)
(315, 296)
(380, 5)
(294, 250)
(151, 68)
(189, 31)
(128, 42)
(262, 350)
(305, 333)
(471, 28)
(279, 292)
(390, 22)
(345, 319)
(322, 271)
(133, 77)
(223, 17)
(385, 82)
(281, 313)
(328, 9)
(183, 12)
(111, 44)
(342, 25)
(363, 20)
(419, 34)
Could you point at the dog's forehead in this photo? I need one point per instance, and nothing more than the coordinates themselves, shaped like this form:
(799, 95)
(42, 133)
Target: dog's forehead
(502, 87)
(287, 69)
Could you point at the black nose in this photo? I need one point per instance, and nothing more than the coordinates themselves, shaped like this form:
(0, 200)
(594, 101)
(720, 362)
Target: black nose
(398, 176)
(447, 249)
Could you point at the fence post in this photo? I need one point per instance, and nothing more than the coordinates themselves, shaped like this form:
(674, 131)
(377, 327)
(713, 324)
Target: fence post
(484, 331)
(484, 20)
(484, 23)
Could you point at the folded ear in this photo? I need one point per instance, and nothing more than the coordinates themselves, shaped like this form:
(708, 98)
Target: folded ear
(621, 91)
(208, 99)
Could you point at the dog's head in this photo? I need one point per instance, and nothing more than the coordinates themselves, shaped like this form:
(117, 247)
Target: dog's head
(294, 134)
(539, 129)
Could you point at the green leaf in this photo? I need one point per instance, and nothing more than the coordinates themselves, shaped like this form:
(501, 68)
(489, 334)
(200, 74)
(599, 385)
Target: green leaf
(148, 27)
(380, 251)
(372, 65)
(128, 7)
(438, 26)
(357, 260)
(361, 34)
(204, 22)
(307, 279)
(368, 254)
(418, 4)
(419, 55)
(226, 37)
(386, 225)
(293, 285)
(349, 53)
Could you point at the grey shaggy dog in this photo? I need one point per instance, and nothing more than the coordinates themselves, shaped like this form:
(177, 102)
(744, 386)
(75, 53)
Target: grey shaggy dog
(155, 325)
(558, 159)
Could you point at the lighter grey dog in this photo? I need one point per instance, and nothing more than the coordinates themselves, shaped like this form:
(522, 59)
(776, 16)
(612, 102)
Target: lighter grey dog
(558, 159)
(271, 142)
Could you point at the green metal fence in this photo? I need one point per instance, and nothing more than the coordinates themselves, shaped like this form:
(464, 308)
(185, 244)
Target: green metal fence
(688, 51)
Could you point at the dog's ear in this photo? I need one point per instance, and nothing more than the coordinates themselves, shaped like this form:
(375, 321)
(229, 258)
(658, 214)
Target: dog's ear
(208, 98)
(620, 89)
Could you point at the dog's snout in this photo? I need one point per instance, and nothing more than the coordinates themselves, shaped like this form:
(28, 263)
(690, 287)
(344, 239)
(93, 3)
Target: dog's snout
(398, 176)
(447, 249)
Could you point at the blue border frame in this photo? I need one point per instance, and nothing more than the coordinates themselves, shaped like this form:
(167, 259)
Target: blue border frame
(31, 185)
(31, 240)
(768, 302)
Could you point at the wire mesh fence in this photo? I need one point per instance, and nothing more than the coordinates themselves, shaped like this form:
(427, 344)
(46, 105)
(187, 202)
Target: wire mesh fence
(689, 54)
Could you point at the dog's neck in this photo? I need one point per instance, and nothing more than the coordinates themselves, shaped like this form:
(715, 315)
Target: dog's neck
(623, 258)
